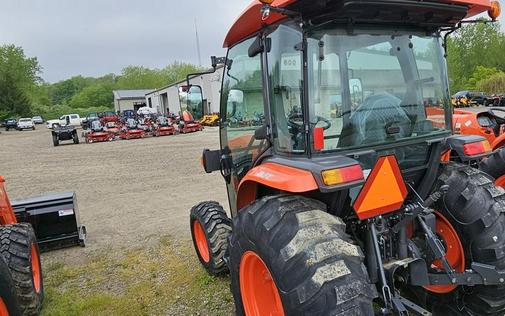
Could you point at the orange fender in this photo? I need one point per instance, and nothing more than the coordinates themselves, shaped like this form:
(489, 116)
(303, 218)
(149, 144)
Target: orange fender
(498, 142)
(6, 212)
(275, 176)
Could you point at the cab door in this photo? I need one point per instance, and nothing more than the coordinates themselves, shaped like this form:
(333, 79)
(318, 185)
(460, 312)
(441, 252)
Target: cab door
(242, 113)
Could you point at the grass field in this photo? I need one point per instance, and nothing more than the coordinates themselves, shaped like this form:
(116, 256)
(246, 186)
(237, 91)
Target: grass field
(165, 279)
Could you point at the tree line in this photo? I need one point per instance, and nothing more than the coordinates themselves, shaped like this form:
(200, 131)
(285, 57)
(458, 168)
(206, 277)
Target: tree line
(24, 93)
(474, 59)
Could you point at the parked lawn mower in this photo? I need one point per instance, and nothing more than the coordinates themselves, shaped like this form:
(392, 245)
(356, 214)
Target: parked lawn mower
(130, 130)
(163, 127)
(64, 133)
(98, 133)
(146, 125)
(210, 120)
(357, 213)
(187, 124)
(113, 128)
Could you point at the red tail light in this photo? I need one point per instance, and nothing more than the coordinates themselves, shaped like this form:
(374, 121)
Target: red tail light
(478, 148)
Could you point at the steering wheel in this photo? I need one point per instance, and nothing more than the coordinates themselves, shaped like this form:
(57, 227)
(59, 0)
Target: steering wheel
(499, 119)
(295, 121)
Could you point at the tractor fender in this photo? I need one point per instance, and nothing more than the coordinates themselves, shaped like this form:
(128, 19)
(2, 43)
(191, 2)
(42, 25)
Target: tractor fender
(275, 176)
(498, 142)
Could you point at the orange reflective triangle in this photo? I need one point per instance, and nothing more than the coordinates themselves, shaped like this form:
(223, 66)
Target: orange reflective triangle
(383, 192)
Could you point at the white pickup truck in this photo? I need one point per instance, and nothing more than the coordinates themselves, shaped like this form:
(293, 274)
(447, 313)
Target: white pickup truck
(68, 119)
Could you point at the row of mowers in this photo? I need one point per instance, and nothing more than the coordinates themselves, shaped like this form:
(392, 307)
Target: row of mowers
(134, 128)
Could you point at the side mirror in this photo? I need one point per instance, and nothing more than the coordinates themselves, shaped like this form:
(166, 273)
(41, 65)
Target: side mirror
(356, 89)
(211, 160)
(261, 133)
(257, 47)
(236, 96)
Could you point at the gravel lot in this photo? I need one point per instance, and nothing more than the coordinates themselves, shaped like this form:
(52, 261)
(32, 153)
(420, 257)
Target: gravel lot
(129, 192)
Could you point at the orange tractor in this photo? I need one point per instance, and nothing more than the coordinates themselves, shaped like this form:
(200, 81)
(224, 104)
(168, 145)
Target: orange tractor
(21, 286)
(490, 124)
(342, 199)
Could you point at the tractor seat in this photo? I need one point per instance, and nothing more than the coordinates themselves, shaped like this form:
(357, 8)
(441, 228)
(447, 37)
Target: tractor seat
(380, 117)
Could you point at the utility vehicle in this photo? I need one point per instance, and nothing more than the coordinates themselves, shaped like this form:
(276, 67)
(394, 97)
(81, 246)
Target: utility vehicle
(343, 201)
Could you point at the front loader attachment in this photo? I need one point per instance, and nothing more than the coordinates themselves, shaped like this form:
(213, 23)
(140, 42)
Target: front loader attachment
(54, 218)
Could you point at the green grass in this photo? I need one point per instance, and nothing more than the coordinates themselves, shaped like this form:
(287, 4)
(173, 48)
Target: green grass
(163, 280)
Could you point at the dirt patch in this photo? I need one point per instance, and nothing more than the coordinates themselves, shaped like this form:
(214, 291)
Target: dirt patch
(130, 193)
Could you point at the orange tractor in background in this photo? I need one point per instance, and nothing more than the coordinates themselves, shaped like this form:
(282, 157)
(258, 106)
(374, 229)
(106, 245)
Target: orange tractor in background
(343, 199)
(490, 124)
(21, 285)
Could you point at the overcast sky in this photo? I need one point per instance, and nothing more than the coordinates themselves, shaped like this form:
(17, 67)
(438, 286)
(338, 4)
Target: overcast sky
(96, 37)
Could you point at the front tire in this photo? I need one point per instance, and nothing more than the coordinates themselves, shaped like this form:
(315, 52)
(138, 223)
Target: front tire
(18, 247)
(288, 256)
(8, 300)
(210, 229)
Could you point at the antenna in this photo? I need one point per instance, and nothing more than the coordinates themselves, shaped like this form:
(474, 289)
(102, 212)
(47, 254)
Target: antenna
(198, 45)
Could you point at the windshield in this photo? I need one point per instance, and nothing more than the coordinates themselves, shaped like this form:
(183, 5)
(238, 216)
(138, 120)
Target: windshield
(25, 120)
(367, 89)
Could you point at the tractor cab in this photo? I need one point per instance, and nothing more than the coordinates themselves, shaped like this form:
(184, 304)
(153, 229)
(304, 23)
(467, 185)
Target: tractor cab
(348, 191)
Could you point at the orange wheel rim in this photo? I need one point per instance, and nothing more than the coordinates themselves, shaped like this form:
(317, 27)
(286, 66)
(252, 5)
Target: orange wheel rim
(454, 252)
(3, 308)
(201, 241)
(35, 268)
(260, 295)
(500, 182)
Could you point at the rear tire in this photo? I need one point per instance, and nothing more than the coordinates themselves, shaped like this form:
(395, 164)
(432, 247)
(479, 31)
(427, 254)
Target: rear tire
(8, 300)
(210, 229)
(494, 165)
(309, 260)
(475, 208)
(18, 247)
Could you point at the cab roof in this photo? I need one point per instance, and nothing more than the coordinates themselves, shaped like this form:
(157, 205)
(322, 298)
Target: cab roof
(250, 22)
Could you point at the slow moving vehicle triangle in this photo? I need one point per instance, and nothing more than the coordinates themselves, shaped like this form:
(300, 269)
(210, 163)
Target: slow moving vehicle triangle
(384, 190)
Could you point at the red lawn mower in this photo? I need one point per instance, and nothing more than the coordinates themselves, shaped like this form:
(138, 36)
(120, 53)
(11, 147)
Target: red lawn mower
(163, 126)
(188, 124)
(98, 133)
(113, 128)
(130, 130)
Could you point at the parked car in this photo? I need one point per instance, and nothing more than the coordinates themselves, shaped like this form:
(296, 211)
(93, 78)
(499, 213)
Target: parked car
(68, 119)
(38, 120)
(25, 123)
(11, 124)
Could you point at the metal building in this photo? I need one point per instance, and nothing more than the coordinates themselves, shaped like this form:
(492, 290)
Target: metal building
(130, 99)
(166, 100)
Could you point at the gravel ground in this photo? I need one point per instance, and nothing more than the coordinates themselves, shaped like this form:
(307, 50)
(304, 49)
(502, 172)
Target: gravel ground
(129, 192)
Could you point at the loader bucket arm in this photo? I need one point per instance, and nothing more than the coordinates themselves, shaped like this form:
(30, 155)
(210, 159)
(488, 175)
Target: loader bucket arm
(6, 212)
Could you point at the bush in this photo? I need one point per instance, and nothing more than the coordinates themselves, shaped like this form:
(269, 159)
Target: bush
(494, 84)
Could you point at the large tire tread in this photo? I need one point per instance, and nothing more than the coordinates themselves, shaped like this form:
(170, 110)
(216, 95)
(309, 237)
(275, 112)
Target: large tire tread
(15, 249)
(315, 265)
(476, 209)
(217, 227)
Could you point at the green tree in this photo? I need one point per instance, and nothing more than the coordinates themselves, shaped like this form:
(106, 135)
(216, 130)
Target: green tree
(18, 75)
(493, 84)
(478, 44)
(480, 73)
